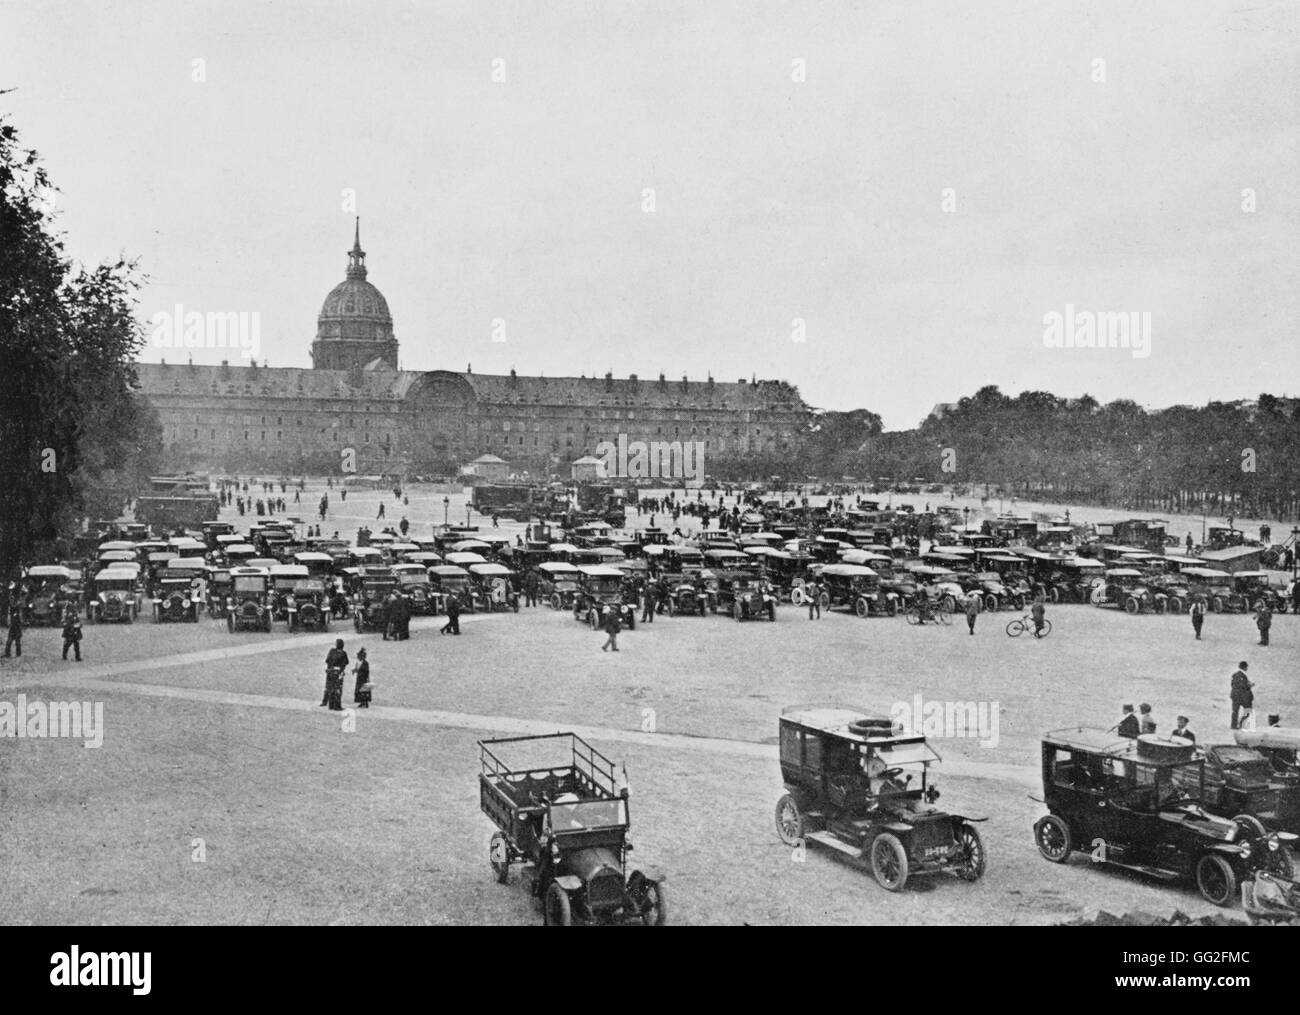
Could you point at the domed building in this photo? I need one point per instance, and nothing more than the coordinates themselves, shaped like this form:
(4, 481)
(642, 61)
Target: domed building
(355, 410)
(354, 329)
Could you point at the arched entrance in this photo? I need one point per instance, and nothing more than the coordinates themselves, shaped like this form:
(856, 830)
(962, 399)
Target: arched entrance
(442, 405)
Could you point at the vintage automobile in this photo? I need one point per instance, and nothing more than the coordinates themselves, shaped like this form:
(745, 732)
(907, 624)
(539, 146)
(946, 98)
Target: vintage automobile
(564, 814)
(688, 594)
(1214, 585)
(413, 581)
(284, 577)
(249, 606)
(370, 598)
(674, 559)
(239, 554)
(848, 786)
(1242, 780)
(1251, 593)
(745, 596)
(939, 585)
(307, 604)
(48, 587)
(1138, 804)
(1130, 590)
(448, 580)
(212, 530)
(1277, 743)
(175, 596)
(993, 594)
(557, 583)
(600, 589)
(493, 588)
(318, 565)
(114, 597)
(857, 587)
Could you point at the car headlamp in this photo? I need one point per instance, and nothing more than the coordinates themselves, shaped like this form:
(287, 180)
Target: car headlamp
(1273, 844)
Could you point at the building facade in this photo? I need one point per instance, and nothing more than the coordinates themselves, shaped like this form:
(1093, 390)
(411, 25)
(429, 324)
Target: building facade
(354, 410)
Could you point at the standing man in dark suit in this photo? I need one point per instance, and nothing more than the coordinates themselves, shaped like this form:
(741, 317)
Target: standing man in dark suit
(15, 638)
(71, 632)
(1243, 697)
(336, 663)
(1198, 615)
(1264, 620)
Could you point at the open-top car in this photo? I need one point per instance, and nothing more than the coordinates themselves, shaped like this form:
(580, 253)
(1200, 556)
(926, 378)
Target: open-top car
(557, 583)
(1214, 585)
(849, 786)
(447, 581)
(1280, 744)
(1138, 804)
(746, 596)
(560, 809)
(249, 606)
(1128, 589)
(600, 589)
(1242, 780)
(113, 597)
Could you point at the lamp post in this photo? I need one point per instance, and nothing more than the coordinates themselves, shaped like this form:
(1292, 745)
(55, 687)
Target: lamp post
(965, 518)
(446, 507)
(467, 507)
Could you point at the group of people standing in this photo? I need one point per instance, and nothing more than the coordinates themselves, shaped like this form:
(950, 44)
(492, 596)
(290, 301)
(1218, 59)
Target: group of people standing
(336, 664)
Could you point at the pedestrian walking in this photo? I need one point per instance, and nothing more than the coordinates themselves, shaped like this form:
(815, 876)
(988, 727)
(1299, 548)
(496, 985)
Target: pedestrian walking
(15, 637)
(336, 663)
(381, 511)
(71, 633)
(814, 593)
(361, 694)
(1039, 610)
(453, 616)
(972, 610)
(613, 624)
(1243, 695)
(648, 604)
(404, 525)
(1198, 615)
(530, 589)
(1263, 621)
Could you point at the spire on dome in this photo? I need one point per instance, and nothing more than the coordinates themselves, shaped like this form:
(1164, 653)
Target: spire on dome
(357, 256)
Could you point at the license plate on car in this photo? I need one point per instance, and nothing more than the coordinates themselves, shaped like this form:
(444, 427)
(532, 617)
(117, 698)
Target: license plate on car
(935, 851)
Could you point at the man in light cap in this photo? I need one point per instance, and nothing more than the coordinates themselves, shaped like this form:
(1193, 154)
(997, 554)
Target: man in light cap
(1183, 730)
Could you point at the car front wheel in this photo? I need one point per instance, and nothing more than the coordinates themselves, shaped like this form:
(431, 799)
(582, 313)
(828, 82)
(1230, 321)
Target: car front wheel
(1216, 879)
(1053, 838)
(973, 847)
(789, 820)
(557, 910)
(656, 912)
(889, 862)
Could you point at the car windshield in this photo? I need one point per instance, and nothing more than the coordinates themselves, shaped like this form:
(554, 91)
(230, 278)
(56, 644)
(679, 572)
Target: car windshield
(575, 817)
(606, 585)
(412, 578)
(306, 587)
(249, 583)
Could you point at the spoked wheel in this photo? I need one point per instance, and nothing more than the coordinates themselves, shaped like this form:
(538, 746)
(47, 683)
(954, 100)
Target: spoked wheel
(973, 846)
(656, 912)
(499, 857)
(556, 911)
(1175, 604)
(1047, 629)
(1052, 836)
(1216, 879)
(913, 615)
(944, 613)
(861, 607)
(789, 820)
(889, 862)
(1016, 628)
(797, 596)
(1131, 605)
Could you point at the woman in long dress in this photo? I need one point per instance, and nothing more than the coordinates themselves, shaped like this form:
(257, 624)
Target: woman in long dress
(362, 698)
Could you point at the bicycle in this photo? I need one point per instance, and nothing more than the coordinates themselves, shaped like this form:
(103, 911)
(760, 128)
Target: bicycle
(1026, 623)
(939, 613)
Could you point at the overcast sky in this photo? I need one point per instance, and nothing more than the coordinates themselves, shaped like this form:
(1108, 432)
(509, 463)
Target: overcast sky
(774, 199)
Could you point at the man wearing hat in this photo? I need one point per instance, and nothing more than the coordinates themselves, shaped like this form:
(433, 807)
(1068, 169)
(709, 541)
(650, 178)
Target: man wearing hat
(361, 695)
(336, 662)
(1128, 726)
(1197, 612)
(1183, 730)
(1242, 695)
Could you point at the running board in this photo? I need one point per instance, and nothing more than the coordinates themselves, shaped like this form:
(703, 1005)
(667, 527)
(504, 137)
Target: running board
(1155, 872)
(835, 843)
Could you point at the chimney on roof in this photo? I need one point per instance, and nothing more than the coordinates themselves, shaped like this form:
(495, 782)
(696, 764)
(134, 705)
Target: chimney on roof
(163, 361)
(469, 368)
(710, 380)
(684, 382)
(514, 378)
(609, 380)
(632, 378)
(662, 382)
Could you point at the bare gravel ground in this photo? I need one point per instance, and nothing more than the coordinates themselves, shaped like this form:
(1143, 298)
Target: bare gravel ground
(305, 823)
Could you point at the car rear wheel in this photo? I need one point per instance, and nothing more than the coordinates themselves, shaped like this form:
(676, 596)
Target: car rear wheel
(889, 862)
(1174, 604)
(973, 847)
(789, 820)
(1053, 838)
(499, 857)
(656, 912)
(1216, 879)
(557, 910)
(1216, 604)
(861, 607)
(1054, 594)
(556, 602)
(1131, 605)
(991, 603)
(593, 620)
